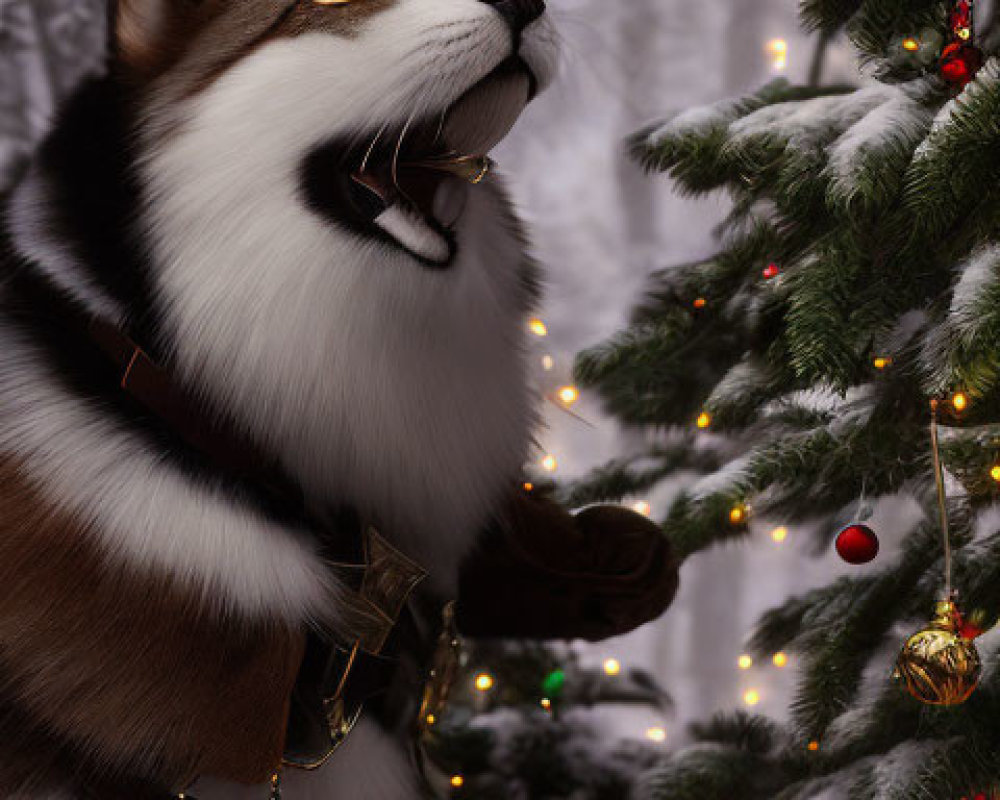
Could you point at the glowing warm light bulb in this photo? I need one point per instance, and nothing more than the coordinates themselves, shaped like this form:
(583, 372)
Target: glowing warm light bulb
(737, 514)
(813, 746)
(656, 734)
(549, 463)
(642, 507)
(569, 395)
(910, 44)
(744, 661)
(704, 420)
(612, 666)
(457, 781)
(959, 401)
(548, 363)
(881, 362)
(537, 327)
(431, 719)
(779, 534)
(995, 473)
(751, 697)
(700, 302)
(529, 487)
(546, 703)
(780, 660)
(777, 49)
(484, 682)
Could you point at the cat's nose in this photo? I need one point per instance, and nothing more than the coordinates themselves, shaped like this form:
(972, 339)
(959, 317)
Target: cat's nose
(518, 13)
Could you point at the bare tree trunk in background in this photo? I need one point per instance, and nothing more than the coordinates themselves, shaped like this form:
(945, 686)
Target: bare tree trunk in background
(719, 580)
(39, 78)
(640, 26)
(640, 30)
(45, 47)
(819, 57)
(744, 39)
(16, 37)
(986, 24)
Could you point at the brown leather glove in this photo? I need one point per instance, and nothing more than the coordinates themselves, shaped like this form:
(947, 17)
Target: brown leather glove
(543, 573)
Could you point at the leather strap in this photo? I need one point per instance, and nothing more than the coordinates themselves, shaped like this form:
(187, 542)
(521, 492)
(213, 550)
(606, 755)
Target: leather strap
(155, 389)
(381, 577)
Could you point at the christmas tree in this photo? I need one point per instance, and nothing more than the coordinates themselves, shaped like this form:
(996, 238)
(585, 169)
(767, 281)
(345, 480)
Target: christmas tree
(519, 724)
(854, 301)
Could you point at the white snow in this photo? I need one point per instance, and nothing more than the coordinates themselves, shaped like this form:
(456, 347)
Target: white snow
(721, 480)
(980, 270)
(893, 771)
(698, 121)
(902, 120)
(985, 81)
(744, 378)
(809, 122)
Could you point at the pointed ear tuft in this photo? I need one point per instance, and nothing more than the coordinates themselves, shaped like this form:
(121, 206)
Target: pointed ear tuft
(139, 31)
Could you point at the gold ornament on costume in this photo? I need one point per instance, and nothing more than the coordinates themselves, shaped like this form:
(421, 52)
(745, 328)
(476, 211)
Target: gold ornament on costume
(444, 672)
(937, 665)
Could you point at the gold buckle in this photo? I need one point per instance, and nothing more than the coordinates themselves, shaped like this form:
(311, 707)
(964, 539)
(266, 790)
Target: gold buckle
(444, 672)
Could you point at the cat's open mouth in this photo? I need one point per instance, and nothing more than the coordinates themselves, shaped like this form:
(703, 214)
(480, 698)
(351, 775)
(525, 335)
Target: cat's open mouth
(409, 186)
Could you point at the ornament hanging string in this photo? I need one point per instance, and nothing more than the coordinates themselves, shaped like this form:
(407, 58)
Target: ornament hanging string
(941, 499)
(939, 665)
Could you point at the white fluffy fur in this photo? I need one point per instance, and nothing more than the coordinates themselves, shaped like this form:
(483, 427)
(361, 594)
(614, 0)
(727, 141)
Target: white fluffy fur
(143, 512)
(382, 383)
(35, 235)
(409, 229)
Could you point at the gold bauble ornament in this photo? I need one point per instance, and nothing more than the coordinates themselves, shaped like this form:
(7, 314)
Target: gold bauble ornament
(937, 665)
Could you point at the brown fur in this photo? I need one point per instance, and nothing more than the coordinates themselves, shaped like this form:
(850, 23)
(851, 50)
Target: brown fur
(154, 38)
(85, 640)
(338, 20)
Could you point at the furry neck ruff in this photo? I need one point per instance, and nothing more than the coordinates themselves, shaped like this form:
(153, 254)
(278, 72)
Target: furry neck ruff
(376, 379)
(372, 345)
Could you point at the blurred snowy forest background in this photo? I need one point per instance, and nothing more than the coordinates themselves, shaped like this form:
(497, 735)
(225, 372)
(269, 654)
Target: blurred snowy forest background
(600, 226)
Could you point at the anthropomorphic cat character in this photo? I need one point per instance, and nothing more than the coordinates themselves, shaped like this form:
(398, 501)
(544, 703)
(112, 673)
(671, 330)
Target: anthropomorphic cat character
(263, 403)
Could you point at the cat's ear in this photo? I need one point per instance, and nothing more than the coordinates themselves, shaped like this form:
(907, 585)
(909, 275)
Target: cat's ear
(138, 30)
(144, 33)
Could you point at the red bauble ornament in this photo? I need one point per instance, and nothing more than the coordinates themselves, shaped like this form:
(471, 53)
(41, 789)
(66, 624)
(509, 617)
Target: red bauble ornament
(971, 627)
(771, 271)
(857, 544)
(969, 630)
(961, 17)
(960, 63)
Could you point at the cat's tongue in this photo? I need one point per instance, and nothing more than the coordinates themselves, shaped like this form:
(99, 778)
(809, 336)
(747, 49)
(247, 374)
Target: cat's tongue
(414, 199)
(484, 115)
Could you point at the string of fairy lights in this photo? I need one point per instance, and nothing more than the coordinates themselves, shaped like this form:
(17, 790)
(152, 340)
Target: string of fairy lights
(740, 514)
(566, 397)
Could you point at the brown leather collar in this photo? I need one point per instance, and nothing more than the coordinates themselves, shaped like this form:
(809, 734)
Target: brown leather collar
(155, 389)
(331, 689)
